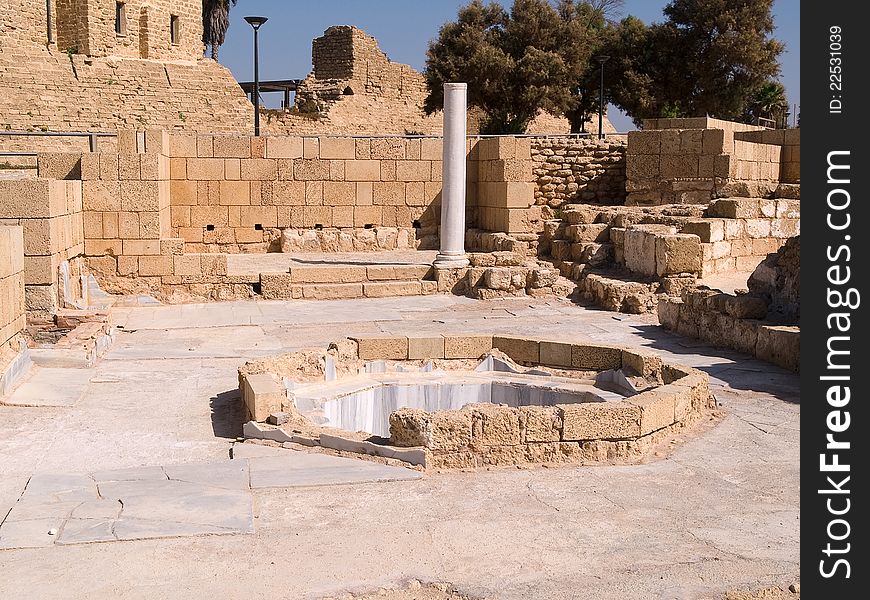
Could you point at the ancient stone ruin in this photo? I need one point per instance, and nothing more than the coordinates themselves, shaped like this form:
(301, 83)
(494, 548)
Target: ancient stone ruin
(431, 401)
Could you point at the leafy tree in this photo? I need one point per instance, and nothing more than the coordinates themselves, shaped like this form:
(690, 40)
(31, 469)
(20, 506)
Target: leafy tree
(711, 57)
(215, 23)
(516, 63)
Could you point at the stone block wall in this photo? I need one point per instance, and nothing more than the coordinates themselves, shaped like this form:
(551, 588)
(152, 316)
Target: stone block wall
(88, 27)
(569, 170)
(505, 189)
(109, 86)
(50, 214)
(234, 192)
(676, 164)
(12, 314)
(790, 142)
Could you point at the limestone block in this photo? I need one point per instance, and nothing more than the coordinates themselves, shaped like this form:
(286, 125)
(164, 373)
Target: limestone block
(387, 347)
(735, 208)
(521, 350)
(41, 298)
(708, 230)
(425, 347)
(466, 346)
(656, 409)
(785, 228)
(643, 167)
(713, 141)
(595, 232)
(332, 291)
(600, 421)
(679, 166)
(182, 145)
(745, 306)
(362, 170)
(596, 357)
(494, 426)
(414, 170)
(679, 253)
(276, 286)
(644, 142)
(779, 345)
(189, 265)
(555, 354)
(758, 228)
(263, 394)
(258, 169)
(232, 146)
(283, 147)
(497, 278)
(640, 251)
(59, 165)
(155, 266)
(387, 289)
(645, 364)
(205, 169)
(540, 424)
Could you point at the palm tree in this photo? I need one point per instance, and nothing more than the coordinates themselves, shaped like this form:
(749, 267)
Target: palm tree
(768, 102)
(215, 22)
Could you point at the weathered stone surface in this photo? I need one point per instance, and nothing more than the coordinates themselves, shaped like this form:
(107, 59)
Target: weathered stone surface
(422, 347)
(656, 409)
(780, 345)
(382, 347)
(595, 357)
(557, 354)
(263, 394)
(600, 421)
(466, 346)
(679, 253)
(540, 424)
(494, 425)
(521, 350)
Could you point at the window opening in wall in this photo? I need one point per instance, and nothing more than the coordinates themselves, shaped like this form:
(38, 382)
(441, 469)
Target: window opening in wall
(120, 19)
(174, 29)
(258, 226)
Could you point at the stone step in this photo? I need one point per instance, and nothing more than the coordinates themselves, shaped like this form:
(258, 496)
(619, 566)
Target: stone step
(345, 273)
(278, 286)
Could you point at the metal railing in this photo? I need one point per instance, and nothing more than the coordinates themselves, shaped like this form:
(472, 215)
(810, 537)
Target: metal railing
(93, 138)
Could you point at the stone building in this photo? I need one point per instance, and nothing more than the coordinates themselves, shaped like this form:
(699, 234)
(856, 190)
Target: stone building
(102, 65)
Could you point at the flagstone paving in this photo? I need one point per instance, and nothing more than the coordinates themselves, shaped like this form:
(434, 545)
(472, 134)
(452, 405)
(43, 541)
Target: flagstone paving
(720, 512)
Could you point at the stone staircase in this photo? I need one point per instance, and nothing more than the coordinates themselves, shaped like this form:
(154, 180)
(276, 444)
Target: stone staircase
(339, 281)
(333, 276)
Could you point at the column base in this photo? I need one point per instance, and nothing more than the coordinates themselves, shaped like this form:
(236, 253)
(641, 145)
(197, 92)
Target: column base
(450, 261)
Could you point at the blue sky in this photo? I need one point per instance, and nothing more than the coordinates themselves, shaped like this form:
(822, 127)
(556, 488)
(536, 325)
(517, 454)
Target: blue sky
(404, 29)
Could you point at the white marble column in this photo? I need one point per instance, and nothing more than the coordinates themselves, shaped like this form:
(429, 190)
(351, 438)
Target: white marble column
(452, 253)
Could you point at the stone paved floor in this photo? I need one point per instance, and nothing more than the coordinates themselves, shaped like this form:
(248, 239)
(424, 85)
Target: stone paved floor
(720, 513)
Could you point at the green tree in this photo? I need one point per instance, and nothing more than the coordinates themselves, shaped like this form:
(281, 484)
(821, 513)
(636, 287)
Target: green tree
(516, 62)
(768, 102)
(215, 23)
(711, 57)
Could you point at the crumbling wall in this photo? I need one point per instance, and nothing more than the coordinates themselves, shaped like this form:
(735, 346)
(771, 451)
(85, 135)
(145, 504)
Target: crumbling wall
(778, 280)
(570, 170)
(89, 79)
(732, 321)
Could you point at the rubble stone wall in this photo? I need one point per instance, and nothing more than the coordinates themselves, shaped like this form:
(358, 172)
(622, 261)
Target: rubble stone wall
(570, 170)
(732, 321)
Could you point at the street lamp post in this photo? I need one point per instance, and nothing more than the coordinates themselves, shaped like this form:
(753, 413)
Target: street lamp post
(602, 60)
(256, 22)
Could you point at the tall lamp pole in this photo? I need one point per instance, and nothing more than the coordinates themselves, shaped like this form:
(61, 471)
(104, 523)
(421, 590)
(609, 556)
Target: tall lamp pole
(256, 22)
(602, 60)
